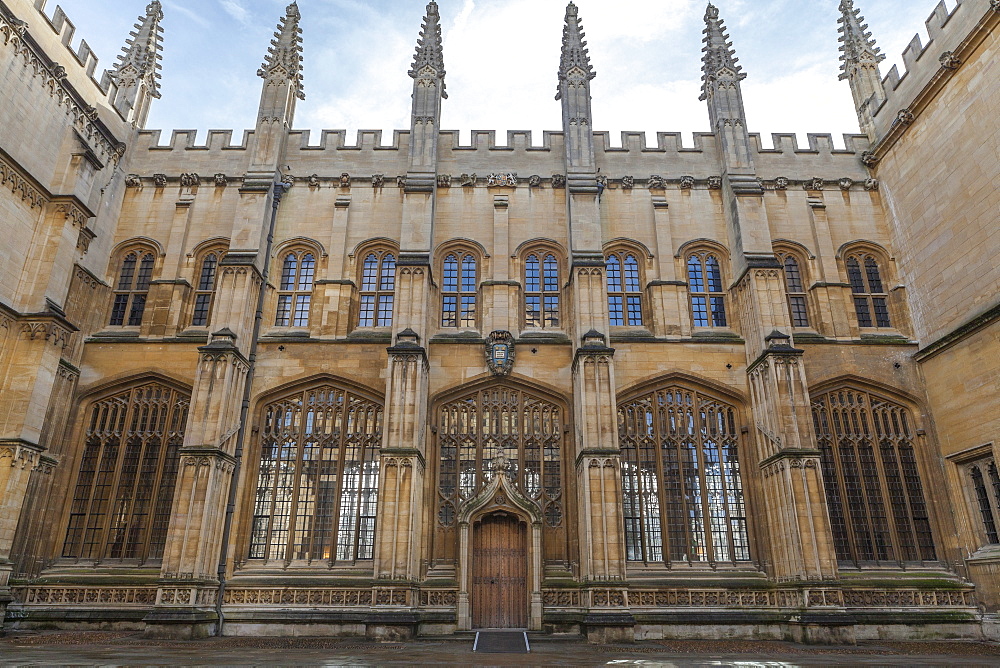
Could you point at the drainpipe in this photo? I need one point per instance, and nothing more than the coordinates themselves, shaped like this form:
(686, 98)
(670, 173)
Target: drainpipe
(279, 191)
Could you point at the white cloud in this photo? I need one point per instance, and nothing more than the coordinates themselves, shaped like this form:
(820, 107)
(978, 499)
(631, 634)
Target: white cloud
(193, 16)
(236, 10)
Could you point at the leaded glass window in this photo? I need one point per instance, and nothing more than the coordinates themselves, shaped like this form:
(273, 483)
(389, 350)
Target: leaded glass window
(131, 289)
(708, 297)
(378, 288)
(317, 483)
(871, 301)
(205, 294)
(796, 292)
(298, 271)
(500, 427)
(459, 291)
(681, 481)
(125, 485)
(624, 285)
(541, 291)
(873, 486)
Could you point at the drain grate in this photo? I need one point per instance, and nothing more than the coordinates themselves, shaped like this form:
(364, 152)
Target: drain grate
(501, 642)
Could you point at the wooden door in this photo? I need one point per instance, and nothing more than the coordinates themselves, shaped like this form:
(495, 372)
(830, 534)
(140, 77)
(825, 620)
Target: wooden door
(500, 573)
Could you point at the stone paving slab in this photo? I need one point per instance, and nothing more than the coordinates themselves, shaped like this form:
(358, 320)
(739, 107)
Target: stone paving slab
(126, 649)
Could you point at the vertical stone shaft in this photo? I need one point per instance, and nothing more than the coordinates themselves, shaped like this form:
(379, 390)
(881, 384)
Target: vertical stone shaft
(786, 462)
(208, 457)
(860, 58)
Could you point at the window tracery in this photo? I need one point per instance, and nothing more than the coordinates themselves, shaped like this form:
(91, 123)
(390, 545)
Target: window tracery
(317, 480)
(132, 288)
(205, 292)
(873, 484)
(298, 273)
(682, 487)
(708, 297)
(378, 289)
(871, 300)
(477, 430)
(459, 288)
(624, 286)
(798, 309)
(125, 484)
(542, 294)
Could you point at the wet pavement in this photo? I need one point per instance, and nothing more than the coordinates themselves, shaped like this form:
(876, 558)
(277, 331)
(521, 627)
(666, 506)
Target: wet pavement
(129, 649)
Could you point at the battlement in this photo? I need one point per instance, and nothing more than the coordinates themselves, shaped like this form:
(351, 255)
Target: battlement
(946, 33)
(83, 56)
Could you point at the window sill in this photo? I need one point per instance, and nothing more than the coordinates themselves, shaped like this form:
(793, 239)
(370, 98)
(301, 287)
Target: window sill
(543, 336)
(987, 554)
(716, 334)
(459, 336)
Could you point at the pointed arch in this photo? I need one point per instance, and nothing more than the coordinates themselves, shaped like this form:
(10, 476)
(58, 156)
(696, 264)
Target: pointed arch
(871, 474)
(132, 431)
(315, 471)
(682, 482)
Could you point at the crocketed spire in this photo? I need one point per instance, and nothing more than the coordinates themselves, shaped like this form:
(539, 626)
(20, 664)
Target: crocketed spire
(284, 56)
(140, 58)
(720, 58)
(430, 52)
(575, 55)
(857, 47)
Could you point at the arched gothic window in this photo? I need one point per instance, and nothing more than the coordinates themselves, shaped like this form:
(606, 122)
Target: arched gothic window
(983, 499)
(708, 297)
(317, 484)
(458, 289)
(205, 294)
(500, 427)
(870, 297)
(681, 483)
(795, 290)
(541, 291)
(132, 288)
(125, 487)
(624, 289)
(298, 272)
(873, 486)
(378, 288)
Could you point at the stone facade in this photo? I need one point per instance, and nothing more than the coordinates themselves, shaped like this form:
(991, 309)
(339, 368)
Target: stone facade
(270, 387)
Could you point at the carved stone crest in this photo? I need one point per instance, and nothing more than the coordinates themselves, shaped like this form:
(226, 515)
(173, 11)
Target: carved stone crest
(558, 180)
(314, 181)
(444, 180)
(628, 182)
(871, 184)
(815, 183)
(345, 180)
(715, 183)
(500, 353)
(378, 180)
(845, 183)
(189, 180)
(687, 182)
(950, 61)
(504, 180)
(160, 180)
(221, 180)
(468, 180)
(781, 183)
(133, 181)
(534, 181)
(656, 182)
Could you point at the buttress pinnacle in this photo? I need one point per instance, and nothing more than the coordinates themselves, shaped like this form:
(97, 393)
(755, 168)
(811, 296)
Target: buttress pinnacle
(575, 55)
(857, 47)
(140, 58)
(720, 58)
(430, 51)
(284, 56)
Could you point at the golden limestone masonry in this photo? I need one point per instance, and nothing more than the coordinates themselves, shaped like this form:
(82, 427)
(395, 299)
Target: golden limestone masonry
(408, 387)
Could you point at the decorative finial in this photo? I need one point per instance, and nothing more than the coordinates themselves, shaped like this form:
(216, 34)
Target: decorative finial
(575, 60)
(428, 61)
(720, 58)
(857, 47)
(140, 58)
(284, 56)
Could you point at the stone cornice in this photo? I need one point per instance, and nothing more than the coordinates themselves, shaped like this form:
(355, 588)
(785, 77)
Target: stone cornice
(957, 335)
(13, 176)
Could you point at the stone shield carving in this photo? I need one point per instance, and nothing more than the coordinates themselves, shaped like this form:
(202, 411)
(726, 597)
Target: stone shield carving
(500, 353)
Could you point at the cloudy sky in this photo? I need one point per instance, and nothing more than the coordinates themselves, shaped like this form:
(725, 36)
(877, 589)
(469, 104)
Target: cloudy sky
(501, 57)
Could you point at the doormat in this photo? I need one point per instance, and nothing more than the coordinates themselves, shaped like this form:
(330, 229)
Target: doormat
(501, 642)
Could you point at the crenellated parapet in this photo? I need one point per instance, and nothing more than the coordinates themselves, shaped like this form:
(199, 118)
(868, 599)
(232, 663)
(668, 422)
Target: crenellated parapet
(951, 38)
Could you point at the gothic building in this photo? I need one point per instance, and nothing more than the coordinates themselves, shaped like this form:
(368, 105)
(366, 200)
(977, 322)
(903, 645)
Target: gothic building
(406, 386)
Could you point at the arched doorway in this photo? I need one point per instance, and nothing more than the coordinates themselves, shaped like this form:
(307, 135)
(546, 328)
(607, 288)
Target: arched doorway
(500, 572)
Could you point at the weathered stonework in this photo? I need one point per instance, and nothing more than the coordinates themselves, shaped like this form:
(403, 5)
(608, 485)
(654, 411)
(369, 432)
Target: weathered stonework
(354, 375)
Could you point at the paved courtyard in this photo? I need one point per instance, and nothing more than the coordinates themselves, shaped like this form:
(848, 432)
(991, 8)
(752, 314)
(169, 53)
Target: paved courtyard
(120, 649)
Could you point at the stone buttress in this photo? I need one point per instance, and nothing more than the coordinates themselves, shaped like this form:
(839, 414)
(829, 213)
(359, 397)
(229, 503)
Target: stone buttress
(794, 524)
(210, 458)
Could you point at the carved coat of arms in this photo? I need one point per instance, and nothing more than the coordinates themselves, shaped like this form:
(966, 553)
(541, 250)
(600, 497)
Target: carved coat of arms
(500, 353)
